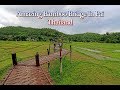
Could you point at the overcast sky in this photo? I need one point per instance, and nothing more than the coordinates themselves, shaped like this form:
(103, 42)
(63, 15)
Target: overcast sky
(109, 23)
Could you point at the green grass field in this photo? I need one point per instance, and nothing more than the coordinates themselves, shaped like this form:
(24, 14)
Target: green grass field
(92, 63)
(24, 51)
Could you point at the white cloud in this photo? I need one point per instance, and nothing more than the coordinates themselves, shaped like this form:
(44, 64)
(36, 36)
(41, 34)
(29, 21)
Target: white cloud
(109, 23)
(104, 30)
(8, 17)
(1, 25)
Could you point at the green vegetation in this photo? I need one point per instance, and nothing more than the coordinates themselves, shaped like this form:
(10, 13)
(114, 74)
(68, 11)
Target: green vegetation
(24, 50)
(95, 57)
(19, 33)
(87, 67)
(92, 63)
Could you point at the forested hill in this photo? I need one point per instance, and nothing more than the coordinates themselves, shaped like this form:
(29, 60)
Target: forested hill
(19, 33)
(28, 34)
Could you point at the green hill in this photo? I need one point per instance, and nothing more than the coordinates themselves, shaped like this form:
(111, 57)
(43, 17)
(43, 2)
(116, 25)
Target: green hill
(28, 34)
(19, 33)
(86, 37)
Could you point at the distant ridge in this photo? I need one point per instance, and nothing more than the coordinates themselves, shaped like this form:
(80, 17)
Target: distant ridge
(18, 33)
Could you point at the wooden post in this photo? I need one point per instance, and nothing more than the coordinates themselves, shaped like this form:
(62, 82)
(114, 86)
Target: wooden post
(60, 65)
(48, 61)
(70, 54)
(49, 48)
(54, 47)
(48, 52)
(14, 59)
(60, 60)
(37, 59)
(48, 66)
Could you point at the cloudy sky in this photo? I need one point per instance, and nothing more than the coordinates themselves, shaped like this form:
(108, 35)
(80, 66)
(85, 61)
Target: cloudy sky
(109, 23)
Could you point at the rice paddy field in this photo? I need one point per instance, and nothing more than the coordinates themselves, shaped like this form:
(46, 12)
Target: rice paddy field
(24, 51)
(92, 63)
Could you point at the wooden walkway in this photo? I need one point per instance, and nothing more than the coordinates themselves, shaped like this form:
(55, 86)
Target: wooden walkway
(26, 73)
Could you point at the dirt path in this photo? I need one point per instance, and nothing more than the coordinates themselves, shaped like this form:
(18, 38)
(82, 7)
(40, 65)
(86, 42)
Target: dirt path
(26, 73)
